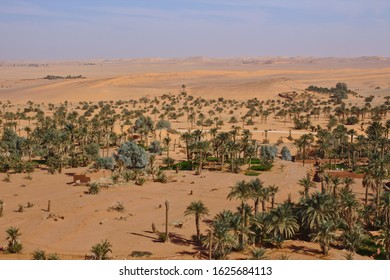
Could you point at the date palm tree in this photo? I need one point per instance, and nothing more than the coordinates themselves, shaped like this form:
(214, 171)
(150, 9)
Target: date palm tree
(307, 184)
(258, 192)
(272, 192)
(281, 224)
(324, 236)
(318, 209)
(100, 251)
(303, 143)
(221, 241)
(241, 192)
(14, 245)
(368, 183)
(198, 209)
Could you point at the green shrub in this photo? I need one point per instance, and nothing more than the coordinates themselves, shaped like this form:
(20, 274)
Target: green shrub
(183, 165)
(252, 173)
(140, 180)
(264, 166)
(161, 177)
(162, 237)
(94, 188)
(212, 159)
(140, 254)
(39, 255)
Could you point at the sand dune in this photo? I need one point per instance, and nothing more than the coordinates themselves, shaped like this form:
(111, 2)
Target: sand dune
(239, 78)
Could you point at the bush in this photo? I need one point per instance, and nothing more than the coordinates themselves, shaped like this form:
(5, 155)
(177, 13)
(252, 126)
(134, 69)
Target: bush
(115, 178)
(212, 159)
(128, 176)
(168, 161)
(252, 173)
(94, 188)
(155, 147)
(29, 167)
(183, 165)
(162, 237)
(132, 156)
(140, 254)
(161, 177)
(39, 255)
(286, 154)
(105, 163)
(264, 166)
(268, 152)
(119, 206)
(163, 124)
(140, 181)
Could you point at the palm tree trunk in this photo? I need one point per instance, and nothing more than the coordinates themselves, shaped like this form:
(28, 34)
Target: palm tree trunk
(263, 205)
(256, 206)
(197, 218)
(166, 218)
(366, 197)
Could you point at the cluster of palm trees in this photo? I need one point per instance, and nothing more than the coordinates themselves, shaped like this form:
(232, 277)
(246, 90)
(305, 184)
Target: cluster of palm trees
(330, 219)
(73, 135)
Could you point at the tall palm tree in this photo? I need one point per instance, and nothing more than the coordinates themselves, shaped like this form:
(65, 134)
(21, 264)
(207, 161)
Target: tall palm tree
(353, 237)
(281, 224)
(325, 236)
(307, 184)
(241, 192)
(317, 210)
(258, 193)
(336, 182)
(272, 192)
(221, 240)
(198, 209)
(348, 208)
(303, 143)
(368, 183)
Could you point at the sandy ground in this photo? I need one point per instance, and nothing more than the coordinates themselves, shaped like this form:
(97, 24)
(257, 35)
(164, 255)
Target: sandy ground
(87, 219)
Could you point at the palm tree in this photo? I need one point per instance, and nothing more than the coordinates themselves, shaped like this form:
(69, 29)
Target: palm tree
(325, 236)
(384, 209)
(317, 210)
(258, 193)
(348, 182)
(368, 183)
(202, 148)
(241, 192)
(100, 251)
(281, 224)
(272, 192)
(353, 237)
(221, 240)
(198, 209)
(303, 143)
(336, 181)
(384, 241)
(14, 246)
(307, 184)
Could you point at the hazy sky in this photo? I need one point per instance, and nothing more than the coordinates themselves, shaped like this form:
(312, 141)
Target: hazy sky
(86, 29)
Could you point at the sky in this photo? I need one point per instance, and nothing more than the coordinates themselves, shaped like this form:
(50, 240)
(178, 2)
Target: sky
(93, 29)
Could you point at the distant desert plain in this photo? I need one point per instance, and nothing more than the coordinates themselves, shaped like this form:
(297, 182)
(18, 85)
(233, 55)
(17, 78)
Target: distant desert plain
(251, 100)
